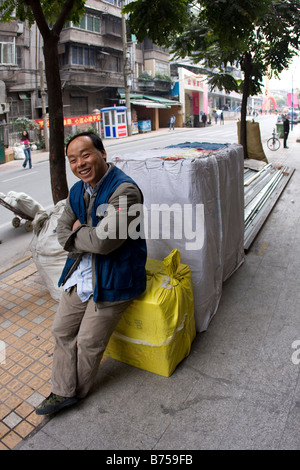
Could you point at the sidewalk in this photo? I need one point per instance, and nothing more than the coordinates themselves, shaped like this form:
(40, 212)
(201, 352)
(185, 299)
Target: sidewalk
(238, 389)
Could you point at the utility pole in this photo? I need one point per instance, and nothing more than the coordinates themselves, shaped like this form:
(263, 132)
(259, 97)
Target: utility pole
(292, 123)
(44, 114)
(126, 72)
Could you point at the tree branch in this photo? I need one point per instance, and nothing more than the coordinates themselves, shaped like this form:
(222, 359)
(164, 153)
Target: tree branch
(67, 7)
(39, 16)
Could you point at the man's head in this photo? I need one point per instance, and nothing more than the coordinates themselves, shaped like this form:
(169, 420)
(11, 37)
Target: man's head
(87, 157)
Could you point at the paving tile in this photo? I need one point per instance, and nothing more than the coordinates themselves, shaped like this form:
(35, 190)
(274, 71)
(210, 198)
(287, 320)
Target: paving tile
(24, 428)
(24, 392)
(3, 447)
(14, 385)
(4, 410)
(13, 402)
(24, 312)
(21, 332)
(35, 419)
(35, 399)
(12, 420)
(39, 319)
(5, 378)
(6, 324)
(24, 409)
(11, 440)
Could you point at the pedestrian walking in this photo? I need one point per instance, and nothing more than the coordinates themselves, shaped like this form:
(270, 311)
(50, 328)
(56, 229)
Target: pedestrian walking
(216, 117)
(27, 150)
(103, 273)
(286, 130)
(221, 118)
(172, 122)
(204, 119)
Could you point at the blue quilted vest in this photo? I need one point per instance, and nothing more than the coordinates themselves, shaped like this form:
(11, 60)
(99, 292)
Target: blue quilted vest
(121, 274)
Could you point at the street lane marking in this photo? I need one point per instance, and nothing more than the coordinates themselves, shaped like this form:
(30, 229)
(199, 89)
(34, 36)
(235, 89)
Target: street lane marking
(17, 177)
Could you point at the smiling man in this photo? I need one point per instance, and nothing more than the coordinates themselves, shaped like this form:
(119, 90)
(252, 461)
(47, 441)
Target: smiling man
(102, 274)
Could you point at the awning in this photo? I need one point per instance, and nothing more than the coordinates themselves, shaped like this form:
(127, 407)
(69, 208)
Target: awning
(24, 96)
(150, 101)
(148, 104)
(164, 101)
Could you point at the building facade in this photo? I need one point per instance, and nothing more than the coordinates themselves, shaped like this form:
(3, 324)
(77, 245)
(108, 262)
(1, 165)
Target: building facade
(91, 56)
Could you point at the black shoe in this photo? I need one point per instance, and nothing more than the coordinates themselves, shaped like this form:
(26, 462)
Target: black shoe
(285, 147)
(54, 403)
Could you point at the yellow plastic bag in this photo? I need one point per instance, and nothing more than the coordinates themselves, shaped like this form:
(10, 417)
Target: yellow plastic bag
(157, 330)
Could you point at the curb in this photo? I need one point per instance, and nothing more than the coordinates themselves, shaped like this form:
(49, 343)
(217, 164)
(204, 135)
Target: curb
(16, 264)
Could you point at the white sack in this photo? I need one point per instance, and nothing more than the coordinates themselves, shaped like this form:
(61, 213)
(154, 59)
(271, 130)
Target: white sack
(23, 203)
(48, 254)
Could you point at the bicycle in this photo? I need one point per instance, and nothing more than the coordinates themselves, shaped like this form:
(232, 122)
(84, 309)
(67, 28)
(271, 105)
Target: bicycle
(273, 143)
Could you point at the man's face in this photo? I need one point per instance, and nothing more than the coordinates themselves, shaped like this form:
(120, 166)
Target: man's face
(86, 162)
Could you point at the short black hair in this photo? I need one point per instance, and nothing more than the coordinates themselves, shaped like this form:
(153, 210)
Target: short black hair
(97, 142)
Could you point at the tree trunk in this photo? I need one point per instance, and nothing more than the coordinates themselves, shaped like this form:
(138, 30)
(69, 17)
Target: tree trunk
(57, 160)
(247, 66)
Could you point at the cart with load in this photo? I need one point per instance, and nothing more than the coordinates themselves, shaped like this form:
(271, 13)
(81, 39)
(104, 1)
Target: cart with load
(23, 207)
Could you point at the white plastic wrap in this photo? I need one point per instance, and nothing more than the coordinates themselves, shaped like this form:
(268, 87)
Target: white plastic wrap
(213, 183)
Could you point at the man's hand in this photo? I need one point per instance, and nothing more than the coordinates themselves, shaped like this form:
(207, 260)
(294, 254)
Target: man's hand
(76, 224)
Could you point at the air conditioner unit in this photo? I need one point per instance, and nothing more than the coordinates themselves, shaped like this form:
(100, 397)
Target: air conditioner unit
(20, 29)
(4, 108)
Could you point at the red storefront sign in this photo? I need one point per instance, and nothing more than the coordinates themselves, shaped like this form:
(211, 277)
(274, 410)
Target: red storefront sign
(122, 131)
(196, 109)
(74, 120)
(289, 100)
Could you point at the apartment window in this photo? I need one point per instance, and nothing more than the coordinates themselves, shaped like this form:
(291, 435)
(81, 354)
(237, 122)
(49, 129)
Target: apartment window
(77, 55)
(83, 56)
(20, 108)
(89, 23)
(7, 50)
(113, 64)
(19, 57)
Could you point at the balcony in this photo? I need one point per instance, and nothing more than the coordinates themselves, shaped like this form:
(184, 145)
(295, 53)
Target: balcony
(156, 85)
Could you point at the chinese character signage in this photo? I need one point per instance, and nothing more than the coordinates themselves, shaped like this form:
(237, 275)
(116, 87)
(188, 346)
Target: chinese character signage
(74, 120)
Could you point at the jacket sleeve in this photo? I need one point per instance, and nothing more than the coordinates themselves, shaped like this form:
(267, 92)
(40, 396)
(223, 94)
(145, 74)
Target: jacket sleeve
(124, 211)
(64, 225)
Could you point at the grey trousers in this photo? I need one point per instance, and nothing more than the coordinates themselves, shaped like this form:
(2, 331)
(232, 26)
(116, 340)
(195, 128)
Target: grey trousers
(81, 331)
